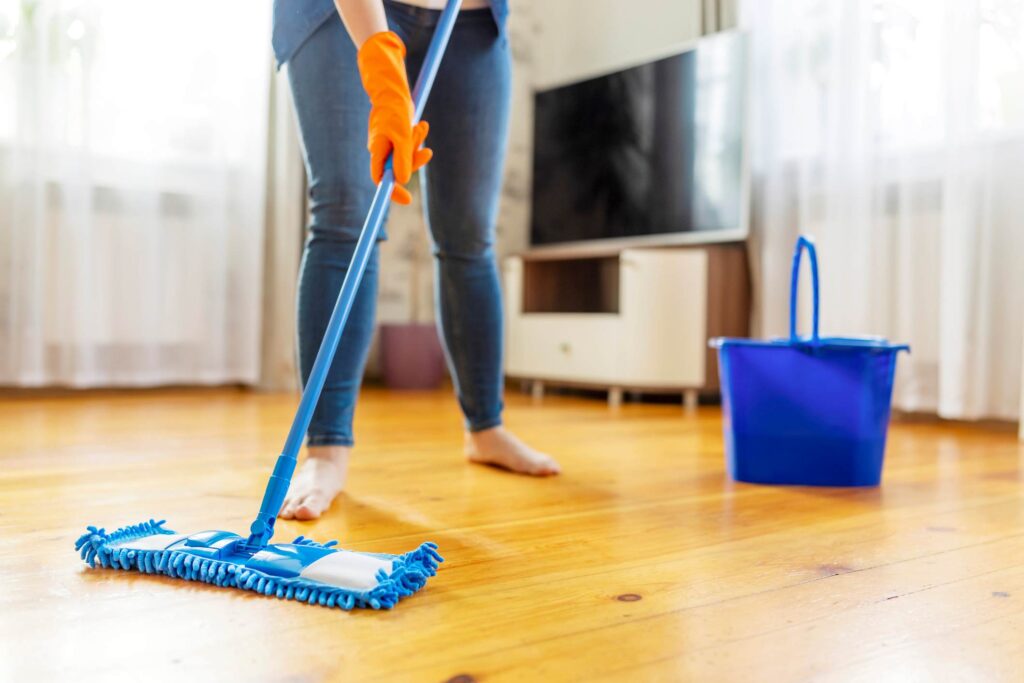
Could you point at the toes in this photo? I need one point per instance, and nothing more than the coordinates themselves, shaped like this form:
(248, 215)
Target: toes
(316, 501)
(287, 509)
(305, 514)
(545, 467)
(310, 507)
(308, 510)
(547, 470)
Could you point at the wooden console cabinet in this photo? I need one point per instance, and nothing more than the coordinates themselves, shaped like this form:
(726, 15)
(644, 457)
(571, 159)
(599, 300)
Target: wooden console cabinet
(638, 319)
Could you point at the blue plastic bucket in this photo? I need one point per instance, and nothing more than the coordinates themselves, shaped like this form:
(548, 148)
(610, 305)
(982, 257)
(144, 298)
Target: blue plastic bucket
(806, 410)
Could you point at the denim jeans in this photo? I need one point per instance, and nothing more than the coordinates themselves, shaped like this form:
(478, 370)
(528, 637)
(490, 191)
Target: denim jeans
(468, 115)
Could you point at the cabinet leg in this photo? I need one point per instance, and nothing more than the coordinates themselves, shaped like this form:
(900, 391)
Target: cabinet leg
(690, 397)
(614, 397)
(537, 390)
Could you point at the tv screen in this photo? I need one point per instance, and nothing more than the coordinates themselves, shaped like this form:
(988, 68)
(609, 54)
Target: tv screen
(653, 150)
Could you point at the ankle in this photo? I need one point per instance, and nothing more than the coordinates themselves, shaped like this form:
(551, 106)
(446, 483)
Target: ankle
(336, 454)
(485, 434)
(477, 441)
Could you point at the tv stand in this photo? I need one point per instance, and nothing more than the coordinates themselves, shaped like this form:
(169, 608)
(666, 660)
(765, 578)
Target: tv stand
(634, 319)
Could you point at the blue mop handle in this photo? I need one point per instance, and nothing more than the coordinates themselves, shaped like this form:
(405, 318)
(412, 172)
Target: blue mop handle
(262, 527)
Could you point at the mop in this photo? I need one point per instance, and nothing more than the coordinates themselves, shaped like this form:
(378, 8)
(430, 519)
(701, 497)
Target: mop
(315, 573)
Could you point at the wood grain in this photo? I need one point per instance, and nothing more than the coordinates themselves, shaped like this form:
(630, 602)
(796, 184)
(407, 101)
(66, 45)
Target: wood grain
(642, 562)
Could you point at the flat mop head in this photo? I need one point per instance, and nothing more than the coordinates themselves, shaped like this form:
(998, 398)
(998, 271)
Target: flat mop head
(315, 573)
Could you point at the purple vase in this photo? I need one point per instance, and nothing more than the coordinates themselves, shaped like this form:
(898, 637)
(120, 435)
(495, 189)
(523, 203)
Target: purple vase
(411, 356)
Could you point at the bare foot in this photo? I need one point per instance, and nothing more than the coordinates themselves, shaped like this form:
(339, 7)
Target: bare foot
(317, 483)
(496, 446)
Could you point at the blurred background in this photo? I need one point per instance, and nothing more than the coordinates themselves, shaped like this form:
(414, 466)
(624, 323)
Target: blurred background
(152, 194)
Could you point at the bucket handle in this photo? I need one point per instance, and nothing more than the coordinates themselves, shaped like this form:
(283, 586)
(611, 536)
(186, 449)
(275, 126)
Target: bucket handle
(803, 242)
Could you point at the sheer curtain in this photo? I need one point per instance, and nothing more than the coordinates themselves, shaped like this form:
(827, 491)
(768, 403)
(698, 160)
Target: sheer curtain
(893, 132)
(132, 187)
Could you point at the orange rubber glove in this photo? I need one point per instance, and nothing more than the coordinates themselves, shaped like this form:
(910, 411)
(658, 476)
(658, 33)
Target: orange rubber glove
(382, 68)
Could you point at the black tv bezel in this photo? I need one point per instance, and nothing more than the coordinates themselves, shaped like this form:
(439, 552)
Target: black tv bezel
(603, 245)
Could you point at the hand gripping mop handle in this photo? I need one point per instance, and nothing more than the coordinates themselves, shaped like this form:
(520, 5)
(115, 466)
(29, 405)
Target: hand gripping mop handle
(262, 527)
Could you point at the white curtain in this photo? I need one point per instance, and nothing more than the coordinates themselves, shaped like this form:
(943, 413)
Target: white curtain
(893, 132)
(132, 188)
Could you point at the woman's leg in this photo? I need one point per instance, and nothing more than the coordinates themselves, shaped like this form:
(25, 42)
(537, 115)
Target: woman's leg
(332, 112)
(468, 114)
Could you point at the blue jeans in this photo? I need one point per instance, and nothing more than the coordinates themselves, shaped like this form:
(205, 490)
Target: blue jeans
(468, 115)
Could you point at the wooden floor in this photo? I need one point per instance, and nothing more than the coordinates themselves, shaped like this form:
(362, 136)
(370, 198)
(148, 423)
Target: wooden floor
(642, 562)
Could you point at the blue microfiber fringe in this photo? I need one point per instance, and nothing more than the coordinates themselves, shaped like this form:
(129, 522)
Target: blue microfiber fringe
(408, 574)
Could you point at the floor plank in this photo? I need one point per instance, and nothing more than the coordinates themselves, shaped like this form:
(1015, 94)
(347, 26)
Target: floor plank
(641, 562)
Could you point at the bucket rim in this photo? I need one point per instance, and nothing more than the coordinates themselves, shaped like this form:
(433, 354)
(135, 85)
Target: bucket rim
(836, 343)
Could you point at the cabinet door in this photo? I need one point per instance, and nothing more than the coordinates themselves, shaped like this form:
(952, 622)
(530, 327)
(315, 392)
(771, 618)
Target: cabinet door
(663, 304)
(574, 347)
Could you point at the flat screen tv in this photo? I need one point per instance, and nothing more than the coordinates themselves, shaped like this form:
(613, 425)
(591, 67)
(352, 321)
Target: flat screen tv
(652, 154)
